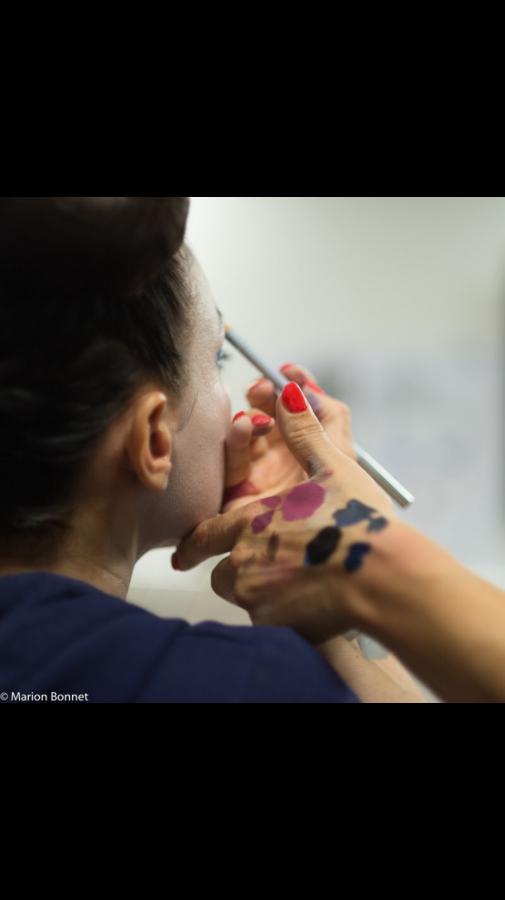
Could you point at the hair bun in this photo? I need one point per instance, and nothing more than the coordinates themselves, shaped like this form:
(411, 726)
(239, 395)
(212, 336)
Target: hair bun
(78, 245)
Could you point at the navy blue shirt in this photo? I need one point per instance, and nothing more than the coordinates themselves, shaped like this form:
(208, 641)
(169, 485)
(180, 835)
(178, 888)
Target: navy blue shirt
(59, 635)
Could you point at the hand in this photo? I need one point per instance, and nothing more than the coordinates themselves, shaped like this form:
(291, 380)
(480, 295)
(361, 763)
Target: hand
(295, 556)
(259, 462)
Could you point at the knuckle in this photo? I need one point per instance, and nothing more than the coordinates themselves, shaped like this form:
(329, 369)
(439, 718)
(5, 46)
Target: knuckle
(236, 557)
(310, 431)
(216, 582)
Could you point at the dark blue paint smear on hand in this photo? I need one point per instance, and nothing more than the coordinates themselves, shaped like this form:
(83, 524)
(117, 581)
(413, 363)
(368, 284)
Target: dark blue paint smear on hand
(357, 553)
(323, 546)
(353, 514)
(378, 524)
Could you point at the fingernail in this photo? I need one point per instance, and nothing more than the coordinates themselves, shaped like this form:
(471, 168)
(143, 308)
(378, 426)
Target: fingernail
(175, 563)
(287, 366)
(262, 421)
(293, 399)
(239, 415)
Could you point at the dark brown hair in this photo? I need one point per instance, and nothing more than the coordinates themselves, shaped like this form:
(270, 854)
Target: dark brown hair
(94, 302)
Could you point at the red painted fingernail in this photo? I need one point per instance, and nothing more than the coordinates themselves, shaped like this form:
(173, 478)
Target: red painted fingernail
(261, 421)
(313, 386)
(293, 399)
(175, 563)
(239, 415)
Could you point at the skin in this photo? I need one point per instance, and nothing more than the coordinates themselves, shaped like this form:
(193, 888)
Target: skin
(159, 471)
(443, 622)
(163, 467)
(266, 470)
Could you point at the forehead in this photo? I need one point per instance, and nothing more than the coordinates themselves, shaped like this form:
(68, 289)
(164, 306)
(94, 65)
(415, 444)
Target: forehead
(208, 321)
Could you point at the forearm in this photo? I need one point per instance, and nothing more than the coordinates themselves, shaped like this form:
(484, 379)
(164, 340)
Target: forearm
(383, 681)
(444, 623)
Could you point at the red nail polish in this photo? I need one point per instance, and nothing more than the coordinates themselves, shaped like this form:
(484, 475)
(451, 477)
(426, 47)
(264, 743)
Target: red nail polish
(293, 399)
(175, 563)
(261, 421)
(239, 415)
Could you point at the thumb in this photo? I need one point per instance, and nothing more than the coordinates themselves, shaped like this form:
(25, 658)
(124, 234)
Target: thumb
(304, 434)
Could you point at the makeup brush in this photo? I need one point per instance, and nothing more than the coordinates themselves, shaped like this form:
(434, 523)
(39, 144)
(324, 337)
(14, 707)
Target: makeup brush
(383, 478)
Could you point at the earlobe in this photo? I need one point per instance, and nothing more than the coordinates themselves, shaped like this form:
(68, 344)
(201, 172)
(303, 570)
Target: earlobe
(159, 463)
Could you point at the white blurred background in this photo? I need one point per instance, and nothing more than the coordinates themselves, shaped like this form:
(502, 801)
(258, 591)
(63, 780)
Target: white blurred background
(397, 305)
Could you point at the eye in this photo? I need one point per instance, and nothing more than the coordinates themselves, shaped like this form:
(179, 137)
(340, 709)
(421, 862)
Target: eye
(222, 357)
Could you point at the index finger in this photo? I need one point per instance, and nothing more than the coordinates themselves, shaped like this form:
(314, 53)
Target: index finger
(214, 537)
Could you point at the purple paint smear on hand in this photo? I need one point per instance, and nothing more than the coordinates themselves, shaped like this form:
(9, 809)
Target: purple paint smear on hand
(303, 501)
(272, 502)
(261, 523)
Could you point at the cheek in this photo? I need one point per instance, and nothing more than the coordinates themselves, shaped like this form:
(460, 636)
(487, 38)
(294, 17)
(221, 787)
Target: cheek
(197, 481)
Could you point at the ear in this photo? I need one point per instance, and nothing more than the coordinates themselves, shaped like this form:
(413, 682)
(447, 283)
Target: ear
(149, 444)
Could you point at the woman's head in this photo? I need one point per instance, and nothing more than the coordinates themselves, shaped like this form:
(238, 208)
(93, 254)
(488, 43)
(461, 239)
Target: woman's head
(112, 412)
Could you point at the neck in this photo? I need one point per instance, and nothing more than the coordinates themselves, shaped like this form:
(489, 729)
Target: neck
(95, 555)
(113, 580)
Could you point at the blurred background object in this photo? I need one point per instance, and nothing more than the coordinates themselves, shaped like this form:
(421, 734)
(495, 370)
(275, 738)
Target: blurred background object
(396, 304)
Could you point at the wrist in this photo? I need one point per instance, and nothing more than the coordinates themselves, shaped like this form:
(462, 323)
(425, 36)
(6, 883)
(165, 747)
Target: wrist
(441, 620)
(400, 577)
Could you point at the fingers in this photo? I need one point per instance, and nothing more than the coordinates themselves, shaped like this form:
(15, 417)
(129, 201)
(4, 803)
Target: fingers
(223, 580)
(304, 434)
(246, 428)
(262, 395)
(214, 537)
(334, 415)
(238, 451)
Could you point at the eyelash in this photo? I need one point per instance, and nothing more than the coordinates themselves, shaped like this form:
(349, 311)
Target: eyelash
(222, 358)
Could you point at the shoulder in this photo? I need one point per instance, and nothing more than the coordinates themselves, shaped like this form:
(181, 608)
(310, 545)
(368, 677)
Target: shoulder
(69, 636)
(216, 663)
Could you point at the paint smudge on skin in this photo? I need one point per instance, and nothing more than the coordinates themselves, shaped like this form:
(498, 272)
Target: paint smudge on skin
(378, 524)
(356, 512)
(356, 556)
(303, 501)
(273, 547)
(323, 546)
(272, 502)
(261, 523)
